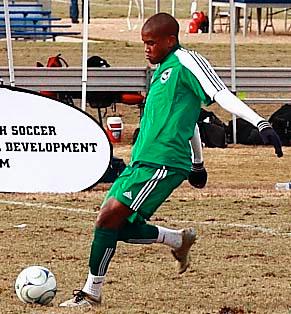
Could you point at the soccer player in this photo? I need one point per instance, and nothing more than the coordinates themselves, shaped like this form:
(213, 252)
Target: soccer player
(161, 155)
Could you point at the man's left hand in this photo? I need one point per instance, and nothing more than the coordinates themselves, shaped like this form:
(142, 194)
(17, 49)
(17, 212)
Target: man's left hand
(269, 136)
(198, 175)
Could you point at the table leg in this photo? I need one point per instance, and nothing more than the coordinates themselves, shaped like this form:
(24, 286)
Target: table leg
(237, 22)
(259, 18)
(211, 19)
(245, 27)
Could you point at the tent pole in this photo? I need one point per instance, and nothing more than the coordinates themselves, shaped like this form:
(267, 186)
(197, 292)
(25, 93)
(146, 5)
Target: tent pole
(233, 61)
(142, 11)
(9, 43)
(85, 53)
(128, 15)
(158, 7)
(210, 18)
(173, 7)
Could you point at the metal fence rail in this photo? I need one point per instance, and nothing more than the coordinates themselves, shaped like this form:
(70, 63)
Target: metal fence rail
(265, 81)
(70, 79)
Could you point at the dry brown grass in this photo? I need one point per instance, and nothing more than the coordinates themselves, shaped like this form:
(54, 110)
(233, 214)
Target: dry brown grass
(241, 263)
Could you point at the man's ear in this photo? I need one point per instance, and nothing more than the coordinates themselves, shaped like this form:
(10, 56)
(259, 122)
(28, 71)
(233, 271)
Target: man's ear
(172, 41)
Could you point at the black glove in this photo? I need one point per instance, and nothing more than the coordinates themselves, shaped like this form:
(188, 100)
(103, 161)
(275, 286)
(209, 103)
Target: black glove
(269, 136)
(198, 175)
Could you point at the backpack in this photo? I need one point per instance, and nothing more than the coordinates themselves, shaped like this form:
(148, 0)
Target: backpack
(281, 123)
(56, 62)
(101, 99)
(97, 62)
(212, 129)
(204, 26)
(199, 22)
(116, 166)
(246, 133)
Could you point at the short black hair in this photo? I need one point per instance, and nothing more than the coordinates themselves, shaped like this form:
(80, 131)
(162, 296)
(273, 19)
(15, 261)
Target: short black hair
(164, 23)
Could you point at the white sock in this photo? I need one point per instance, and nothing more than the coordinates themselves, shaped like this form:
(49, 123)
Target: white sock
(170, 237)
(93, 285)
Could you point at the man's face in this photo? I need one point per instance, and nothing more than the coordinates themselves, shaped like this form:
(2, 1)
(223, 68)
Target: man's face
(156, 47)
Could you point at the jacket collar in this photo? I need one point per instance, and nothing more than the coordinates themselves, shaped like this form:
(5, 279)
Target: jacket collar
(177, 46)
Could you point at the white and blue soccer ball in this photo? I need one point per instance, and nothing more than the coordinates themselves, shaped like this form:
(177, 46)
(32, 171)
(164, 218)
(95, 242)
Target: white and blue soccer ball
(36, 284)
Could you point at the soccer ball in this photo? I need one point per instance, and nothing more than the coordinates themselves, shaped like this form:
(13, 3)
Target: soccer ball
(36, 284)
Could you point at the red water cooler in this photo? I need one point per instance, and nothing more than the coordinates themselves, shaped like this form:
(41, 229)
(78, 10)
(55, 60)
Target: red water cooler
(114, 127)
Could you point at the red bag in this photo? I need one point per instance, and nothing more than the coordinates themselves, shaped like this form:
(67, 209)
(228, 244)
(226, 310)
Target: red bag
(198, 19)
(56, 62)
(53, 62)
(131, 98)
(193, 26)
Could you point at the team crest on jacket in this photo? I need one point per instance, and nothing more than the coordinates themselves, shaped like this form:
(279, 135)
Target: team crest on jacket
(166, 75)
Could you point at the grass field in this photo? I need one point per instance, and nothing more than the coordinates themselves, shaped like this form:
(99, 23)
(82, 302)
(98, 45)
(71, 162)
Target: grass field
(241, 263)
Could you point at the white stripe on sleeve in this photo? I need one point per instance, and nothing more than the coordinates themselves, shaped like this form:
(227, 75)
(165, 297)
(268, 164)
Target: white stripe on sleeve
(202, 70)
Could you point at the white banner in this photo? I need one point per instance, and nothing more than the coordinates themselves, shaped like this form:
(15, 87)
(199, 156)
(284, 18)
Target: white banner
(48, 146)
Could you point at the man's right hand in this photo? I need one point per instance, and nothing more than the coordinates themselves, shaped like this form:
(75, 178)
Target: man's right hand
(198, 175)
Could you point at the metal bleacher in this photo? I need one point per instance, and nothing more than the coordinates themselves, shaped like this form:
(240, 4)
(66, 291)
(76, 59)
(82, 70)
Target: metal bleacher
(32, 20)
(272, 85)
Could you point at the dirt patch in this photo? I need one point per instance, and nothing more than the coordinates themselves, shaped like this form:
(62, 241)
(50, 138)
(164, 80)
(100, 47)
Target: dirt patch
(117, 29)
